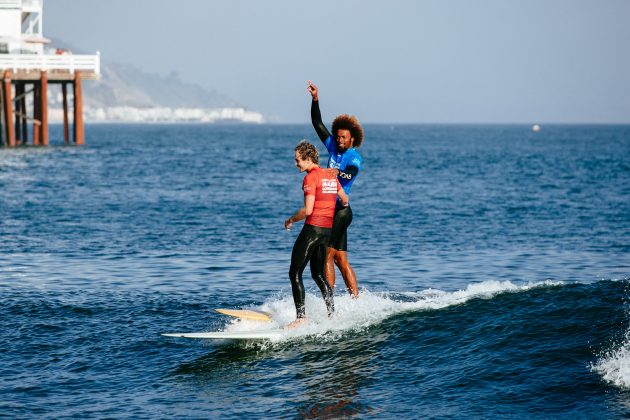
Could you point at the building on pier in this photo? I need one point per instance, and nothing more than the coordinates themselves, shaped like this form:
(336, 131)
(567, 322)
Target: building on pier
(28, 65)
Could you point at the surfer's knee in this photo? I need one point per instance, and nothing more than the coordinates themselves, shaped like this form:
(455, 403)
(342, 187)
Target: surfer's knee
(319, 278)
(294, 274)
(296, 283)
(341, 259)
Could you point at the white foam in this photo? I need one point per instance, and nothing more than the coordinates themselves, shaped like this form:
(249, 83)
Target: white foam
(353, 315)
(614, 367)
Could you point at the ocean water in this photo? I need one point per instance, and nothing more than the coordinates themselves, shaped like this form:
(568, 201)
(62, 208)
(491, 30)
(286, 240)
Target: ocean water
(493, 262)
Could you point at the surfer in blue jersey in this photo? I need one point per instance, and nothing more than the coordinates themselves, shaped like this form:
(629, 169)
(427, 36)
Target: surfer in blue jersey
(346, 137)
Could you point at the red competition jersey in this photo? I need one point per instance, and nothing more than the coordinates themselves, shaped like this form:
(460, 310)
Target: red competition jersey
(324, 187)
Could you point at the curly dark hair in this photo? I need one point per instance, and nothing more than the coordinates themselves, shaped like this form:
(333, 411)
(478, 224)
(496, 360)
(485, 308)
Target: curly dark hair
(307, 150)
(350, 123)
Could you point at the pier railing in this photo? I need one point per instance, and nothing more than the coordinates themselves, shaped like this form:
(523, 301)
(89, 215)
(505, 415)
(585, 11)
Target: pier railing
(88, 65)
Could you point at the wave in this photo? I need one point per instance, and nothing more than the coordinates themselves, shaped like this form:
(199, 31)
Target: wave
(614, 366)
(355, 315)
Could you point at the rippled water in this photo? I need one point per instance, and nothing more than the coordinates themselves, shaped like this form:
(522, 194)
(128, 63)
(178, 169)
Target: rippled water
(493, 262)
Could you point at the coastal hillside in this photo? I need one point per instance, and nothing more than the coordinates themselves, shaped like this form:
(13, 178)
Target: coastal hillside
(127, 93)
(126, 85)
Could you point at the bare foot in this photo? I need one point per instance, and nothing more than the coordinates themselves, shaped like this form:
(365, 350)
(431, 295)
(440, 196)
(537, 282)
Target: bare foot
(297, 323)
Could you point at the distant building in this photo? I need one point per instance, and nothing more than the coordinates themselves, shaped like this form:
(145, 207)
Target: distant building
(28, 64)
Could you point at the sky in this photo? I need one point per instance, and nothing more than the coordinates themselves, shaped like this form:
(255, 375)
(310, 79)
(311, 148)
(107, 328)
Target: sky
(394, 61)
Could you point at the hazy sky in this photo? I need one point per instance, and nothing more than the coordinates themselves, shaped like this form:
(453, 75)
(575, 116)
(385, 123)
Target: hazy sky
(384, 61)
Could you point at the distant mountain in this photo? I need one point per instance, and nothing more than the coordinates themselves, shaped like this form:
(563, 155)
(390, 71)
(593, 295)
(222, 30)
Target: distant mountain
(126, 85)
(126, 93)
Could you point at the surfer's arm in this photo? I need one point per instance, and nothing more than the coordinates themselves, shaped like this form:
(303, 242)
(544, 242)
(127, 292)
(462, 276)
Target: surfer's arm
(348, 173)
(316, 115)
(302, 213)
(345, 174)
(343, 196)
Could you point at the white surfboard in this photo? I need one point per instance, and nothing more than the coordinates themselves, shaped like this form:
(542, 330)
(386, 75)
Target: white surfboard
(238, 335)
(246, 314)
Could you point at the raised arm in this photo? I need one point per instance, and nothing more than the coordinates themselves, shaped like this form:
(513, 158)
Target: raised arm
(316, 115)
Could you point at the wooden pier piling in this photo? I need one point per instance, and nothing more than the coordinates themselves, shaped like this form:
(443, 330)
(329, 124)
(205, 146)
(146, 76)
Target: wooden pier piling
(25, 119)
(14, 115)
(43, 97)
(66, 130)
(36, 114)
(8, 110)
(21, 113)
(79, 135)
(18, 113)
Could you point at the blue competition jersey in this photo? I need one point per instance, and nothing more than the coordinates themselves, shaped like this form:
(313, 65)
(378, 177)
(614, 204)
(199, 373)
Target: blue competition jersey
(342, 160)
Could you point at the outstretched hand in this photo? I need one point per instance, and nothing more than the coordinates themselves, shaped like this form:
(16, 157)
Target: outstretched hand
(312, 89)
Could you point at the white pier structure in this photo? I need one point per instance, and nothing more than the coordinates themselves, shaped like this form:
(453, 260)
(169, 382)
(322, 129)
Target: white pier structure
(27, 65)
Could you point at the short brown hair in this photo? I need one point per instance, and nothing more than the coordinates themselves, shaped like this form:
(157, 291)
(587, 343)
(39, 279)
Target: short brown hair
(307, 150)
(350, 123)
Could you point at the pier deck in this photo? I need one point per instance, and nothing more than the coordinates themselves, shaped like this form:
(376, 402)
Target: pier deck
(59, 67)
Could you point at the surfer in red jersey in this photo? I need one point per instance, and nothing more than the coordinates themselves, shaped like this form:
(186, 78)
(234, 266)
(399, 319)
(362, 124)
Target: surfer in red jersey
(321, 189)
(346, 137)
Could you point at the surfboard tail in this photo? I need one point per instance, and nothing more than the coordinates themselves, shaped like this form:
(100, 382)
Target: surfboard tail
(246, 314)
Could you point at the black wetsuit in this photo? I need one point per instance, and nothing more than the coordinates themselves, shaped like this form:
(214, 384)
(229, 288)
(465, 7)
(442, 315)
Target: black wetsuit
(310, 245)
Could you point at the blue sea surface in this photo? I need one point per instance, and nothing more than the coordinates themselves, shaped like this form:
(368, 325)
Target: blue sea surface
(493, 262)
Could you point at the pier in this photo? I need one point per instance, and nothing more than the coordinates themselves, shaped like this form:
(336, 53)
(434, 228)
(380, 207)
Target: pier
(27, 69)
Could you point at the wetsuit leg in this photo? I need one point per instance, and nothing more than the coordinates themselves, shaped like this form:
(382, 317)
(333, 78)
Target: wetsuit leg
(309, 239)
(337, 252)
(339, 236)
(299, 258)
(318, 264)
